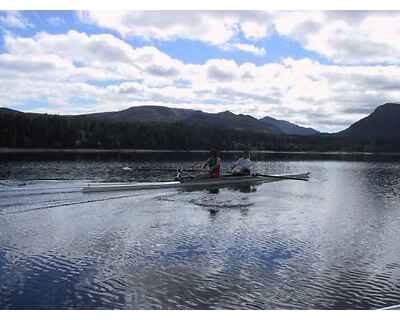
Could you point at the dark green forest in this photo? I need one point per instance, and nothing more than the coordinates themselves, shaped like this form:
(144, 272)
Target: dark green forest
(19, 130)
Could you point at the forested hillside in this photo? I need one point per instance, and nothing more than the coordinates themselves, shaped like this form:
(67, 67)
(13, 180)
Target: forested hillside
(29, 130)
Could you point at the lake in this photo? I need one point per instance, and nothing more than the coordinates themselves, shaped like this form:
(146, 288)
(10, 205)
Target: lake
(330, 243)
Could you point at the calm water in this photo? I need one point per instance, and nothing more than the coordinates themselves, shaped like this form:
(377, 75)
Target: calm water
(330, 243)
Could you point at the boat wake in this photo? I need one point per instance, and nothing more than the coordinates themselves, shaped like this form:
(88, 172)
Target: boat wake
(33, 196)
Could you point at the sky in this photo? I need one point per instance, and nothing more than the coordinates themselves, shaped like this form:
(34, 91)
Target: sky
(319, 69)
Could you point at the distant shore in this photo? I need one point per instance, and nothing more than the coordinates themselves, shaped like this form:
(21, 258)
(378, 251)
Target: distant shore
(102, 151)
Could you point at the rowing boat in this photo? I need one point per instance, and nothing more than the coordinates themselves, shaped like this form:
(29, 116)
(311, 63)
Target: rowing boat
(194, 183)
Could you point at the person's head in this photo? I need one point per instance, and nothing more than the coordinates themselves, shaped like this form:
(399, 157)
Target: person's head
(246, 154)
(213, 153)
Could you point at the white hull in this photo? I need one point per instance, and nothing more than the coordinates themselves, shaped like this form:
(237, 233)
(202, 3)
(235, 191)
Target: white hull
(208, 182)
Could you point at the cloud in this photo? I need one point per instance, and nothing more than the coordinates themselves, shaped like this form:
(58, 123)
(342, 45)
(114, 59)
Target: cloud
(221, 70)
(18, 64)
(162, 71)
(128, 88)
(249, 48)
(168, 25)
(14, 19)
(103, 55)
(65, 69)
(56, 21)
(213, 27)
(344, 37)
(228, 93)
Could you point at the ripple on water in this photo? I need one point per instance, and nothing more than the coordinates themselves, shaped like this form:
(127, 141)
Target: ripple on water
(329, 244)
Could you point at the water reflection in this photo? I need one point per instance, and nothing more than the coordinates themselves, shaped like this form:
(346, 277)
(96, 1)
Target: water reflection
(244, 188)
(330, 243)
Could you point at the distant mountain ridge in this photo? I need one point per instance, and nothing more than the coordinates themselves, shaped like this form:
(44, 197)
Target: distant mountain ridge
(8, 110)
(289, 128)
(222, 120)
(383, 123)
(191, 117)
(142, 114)
(157, 127)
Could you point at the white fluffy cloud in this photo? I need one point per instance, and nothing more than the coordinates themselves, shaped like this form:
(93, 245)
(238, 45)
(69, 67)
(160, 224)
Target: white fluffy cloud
(249, 48)
(212, 28)
(345, 37)
(72, 73)
(96, 57)
(14, 19)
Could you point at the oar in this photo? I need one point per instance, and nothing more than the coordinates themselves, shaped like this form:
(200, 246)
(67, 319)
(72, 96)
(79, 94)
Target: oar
(162, 169)
(283, 177)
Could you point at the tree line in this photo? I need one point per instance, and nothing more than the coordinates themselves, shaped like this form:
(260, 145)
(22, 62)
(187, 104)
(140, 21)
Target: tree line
(19, 130)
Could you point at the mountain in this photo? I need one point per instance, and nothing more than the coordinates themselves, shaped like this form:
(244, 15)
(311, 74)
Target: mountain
(228, 119)
(383, 123)
(142, 114)
(156, 127)
(288, 127)
(161, 114)
(8, 111)
(195, 130)
(222, 120)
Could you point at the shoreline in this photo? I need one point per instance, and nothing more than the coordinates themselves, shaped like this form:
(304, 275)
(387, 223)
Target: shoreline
(110, 151)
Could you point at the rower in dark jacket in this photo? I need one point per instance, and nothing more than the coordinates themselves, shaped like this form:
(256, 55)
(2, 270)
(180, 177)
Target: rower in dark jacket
(213, 164)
